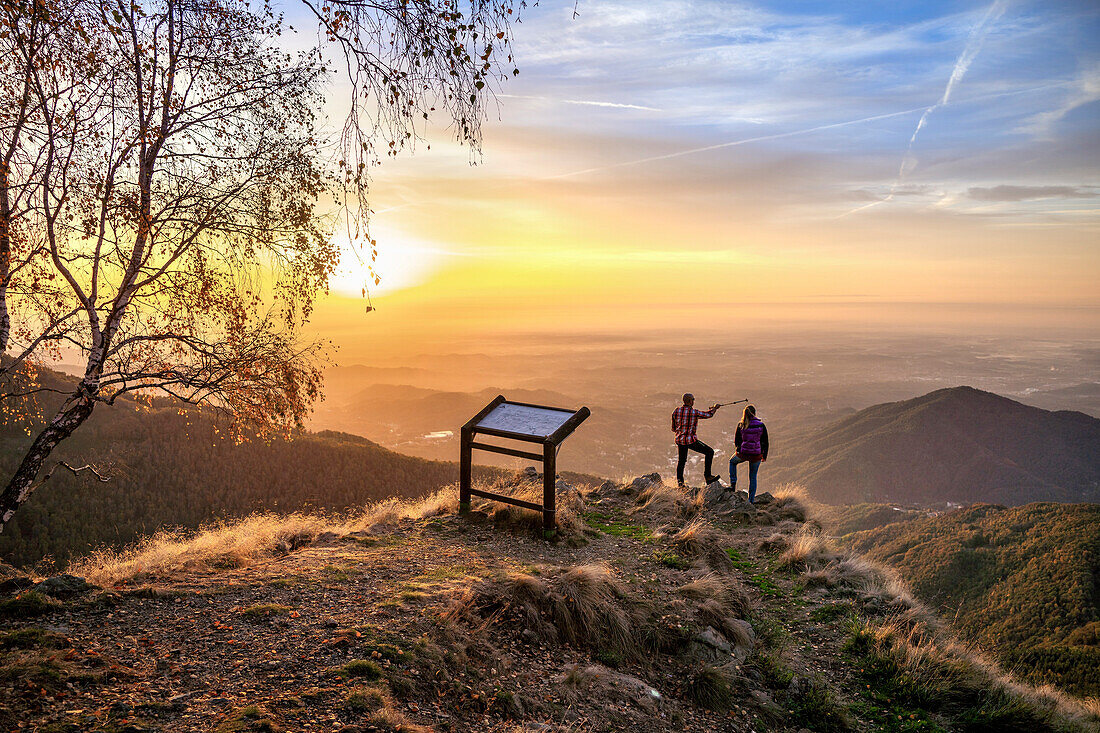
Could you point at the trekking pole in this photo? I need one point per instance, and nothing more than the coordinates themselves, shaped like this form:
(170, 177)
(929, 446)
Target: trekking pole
(723, 404)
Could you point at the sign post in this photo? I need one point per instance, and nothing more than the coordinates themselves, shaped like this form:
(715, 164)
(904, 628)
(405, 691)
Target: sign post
(524, 422)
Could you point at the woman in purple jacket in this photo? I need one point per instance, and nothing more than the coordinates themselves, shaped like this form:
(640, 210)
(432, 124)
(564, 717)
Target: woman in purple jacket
(751, 441)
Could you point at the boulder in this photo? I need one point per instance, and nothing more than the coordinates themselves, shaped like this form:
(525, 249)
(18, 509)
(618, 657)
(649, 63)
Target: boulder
(764, 498)
(721, 500)
(741, 629)
(64, 586)
(644, 482)
(599, 681)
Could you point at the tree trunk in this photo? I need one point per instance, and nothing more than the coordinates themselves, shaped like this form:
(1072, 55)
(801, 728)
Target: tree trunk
(72, 414)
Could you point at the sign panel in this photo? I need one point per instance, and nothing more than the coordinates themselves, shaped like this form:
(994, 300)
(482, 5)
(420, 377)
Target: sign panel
(538, 422)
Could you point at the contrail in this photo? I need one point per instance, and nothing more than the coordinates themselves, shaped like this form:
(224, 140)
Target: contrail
(974, 41)
(793, 133)
(584, 102)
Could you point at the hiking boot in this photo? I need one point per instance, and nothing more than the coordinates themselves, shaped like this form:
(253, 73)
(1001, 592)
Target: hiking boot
(711, 479)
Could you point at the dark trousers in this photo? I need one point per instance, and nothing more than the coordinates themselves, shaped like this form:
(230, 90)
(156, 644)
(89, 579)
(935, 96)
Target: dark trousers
(699, 447)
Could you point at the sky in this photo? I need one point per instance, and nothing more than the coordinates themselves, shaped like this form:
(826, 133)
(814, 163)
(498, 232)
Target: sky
(730, 165)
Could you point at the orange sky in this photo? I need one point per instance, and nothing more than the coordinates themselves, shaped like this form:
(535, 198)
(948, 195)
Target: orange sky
(593, 209)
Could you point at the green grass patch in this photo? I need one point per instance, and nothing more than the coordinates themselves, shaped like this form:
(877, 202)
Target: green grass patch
(616, 528)
(283, 582)
(265, 611)
(765, 585)
(33, 638)
(359, 668)
(831, 612)
(774, 672)
(364, 700)
(815, 707)
(739, 560)
(248, 720)
(672, 560)
(26, 605)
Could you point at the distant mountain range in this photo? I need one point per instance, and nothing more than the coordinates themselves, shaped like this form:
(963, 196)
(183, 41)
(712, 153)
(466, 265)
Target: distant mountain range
(1023, 582)
(958, 445)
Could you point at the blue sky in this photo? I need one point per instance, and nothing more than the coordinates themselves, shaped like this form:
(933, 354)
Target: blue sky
(771, 145)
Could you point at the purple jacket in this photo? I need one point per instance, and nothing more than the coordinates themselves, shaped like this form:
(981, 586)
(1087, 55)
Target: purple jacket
(752, 440)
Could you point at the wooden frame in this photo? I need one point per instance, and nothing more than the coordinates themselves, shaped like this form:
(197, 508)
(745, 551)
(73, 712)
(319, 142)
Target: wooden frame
(548, 457)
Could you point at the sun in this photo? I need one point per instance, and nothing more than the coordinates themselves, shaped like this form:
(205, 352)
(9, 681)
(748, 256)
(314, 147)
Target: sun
(403, 262)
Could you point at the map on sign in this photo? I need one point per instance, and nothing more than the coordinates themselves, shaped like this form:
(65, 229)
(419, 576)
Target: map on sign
(525, 420)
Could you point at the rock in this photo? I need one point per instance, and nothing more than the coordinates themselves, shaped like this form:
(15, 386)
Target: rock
(531, 472)
(218, 701)
(64, 586)
(15, 584)
(722, 501)
(713, 639)
(644, 482)
(763, 702)
(598, 681)
(764, 498)
(326, 538)
(742, 629)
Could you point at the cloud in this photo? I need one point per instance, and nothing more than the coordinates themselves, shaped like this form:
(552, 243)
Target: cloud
(1086, 90)
(582, 102)
(1027, 193)
(974, 42)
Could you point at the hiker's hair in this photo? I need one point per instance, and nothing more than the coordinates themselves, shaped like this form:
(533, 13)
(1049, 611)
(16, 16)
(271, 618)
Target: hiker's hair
(749, 414)
(688, 396)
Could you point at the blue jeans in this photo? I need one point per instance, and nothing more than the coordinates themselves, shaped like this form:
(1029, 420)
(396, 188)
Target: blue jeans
(754, 467)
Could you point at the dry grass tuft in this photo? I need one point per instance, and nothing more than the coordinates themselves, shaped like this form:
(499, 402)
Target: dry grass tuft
(726, 592)
(773, 542)
(707, 587)
(239, 542)
(584, 605)
(665, 500)
(225, 544)
(699, 538)
(808, 551)
(925, 668)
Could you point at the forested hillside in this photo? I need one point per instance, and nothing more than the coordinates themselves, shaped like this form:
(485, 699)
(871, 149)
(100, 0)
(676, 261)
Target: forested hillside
(173, 469)
(1022, 582)
(958, 445)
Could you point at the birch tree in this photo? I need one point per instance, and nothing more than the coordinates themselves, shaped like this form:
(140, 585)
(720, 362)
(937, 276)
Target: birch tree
(168, 191)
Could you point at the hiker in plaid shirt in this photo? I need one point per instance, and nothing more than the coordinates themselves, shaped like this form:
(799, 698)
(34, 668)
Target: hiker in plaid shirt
(685, 420)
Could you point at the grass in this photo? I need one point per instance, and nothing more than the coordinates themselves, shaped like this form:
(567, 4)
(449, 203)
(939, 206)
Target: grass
(831, 612)
(617, 528)
(738, 559)
(32, 638)
(359, 668)
(247, 720)
(711, 688)
(672, 560)
(910, 678)
(26, 605)
(765, 585)
(365, 700)
(265, 611)
(814, 706)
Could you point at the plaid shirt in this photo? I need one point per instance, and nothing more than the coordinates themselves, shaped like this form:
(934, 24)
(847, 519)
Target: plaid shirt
(686, 420)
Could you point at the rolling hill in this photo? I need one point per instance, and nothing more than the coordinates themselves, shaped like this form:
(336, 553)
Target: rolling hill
(653, 610)
(957, 445)
(1023, 582)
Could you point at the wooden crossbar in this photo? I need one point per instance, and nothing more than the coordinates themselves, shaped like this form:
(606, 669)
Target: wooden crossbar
(507, 451)
(508, 500)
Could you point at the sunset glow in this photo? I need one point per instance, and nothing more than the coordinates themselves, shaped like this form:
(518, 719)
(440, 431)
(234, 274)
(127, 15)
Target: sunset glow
(710, 163)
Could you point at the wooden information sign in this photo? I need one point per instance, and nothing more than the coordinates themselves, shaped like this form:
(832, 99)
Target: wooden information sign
(549, 426)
